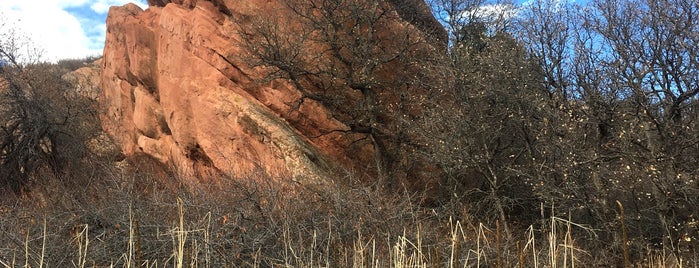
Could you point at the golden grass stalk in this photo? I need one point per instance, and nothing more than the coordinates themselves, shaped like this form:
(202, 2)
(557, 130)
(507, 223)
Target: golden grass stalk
(130, 249)
(327, 245)
(453, 257)
(553, 249)
(83, 240)
(481, 246)
(43, 245)
(180, 235)
(531, 241)
(359, 250)
(207, 241)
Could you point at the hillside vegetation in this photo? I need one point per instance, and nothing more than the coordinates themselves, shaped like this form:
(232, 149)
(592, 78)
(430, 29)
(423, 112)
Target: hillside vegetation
(561, 136)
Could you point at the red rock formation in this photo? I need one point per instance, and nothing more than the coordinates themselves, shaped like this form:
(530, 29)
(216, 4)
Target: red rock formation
(178, 86)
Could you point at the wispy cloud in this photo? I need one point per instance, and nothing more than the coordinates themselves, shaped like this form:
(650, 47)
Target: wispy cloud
(62, 28)
(496, 16)
(507, 11)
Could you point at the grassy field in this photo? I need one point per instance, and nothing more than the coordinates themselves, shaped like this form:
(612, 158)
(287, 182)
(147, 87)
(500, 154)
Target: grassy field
(135, 219)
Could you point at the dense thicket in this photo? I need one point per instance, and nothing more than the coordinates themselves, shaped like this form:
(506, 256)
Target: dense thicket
(575, 108)
(43, 124)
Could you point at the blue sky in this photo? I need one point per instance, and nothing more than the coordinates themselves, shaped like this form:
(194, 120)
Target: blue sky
(73, 28)
(62, 28)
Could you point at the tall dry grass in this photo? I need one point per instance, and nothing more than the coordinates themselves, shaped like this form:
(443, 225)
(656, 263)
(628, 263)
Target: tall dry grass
(139, 221)
(402, 252)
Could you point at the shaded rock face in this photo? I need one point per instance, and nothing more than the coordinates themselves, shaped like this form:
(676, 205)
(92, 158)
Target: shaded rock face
(177, 87)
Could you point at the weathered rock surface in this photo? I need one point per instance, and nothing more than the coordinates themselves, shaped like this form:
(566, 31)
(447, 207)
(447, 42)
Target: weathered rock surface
(85, 80)
(177, 87)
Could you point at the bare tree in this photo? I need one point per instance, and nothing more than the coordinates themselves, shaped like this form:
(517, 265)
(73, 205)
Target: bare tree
(355, 58)
(545, 27)
(488, 140)
(653, 65)
(38, 126)
(496, 16)
(625, 77)
(454, 14)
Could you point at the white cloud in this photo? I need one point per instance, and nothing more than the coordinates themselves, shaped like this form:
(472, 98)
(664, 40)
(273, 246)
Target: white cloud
(495, 12)
(496, 17)
(102, 6)
(59, 33)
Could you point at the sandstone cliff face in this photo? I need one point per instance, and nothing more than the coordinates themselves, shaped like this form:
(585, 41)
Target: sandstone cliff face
(178, 86)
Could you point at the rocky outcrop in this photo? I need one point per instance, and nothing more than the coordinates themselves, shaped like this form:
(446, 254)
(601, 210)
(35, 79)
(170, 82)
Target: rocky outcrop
(85, 81)
(178, 86)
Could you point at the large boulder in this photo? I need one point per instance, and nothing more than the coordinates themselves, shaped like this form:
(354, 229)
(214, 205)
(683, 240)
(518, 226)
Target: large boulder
(178, 86)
